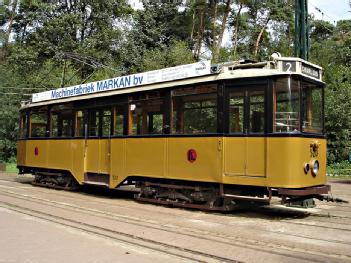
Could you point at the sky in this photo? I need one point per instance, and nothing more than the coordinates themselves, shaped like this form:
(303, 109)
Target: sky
(333, 10)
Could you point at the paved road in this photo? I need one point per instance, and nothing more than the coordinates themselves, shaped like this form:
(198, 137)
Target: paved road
(46, 225)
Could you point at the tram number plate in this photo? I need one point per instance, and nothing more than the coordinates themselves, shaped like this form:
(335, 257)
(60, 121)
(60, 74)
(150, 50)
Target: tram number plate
(289, 66)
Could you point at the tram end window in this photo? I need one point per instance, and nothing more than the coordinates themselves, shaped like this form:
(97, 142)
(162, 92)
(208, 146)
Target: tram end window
(312, 108)
(195, 110)
(23, 126)
(286, 106)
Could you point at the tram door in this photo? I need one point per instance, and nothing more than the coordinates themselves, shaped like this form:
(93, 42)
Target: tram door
(245, 149)
(97, 146)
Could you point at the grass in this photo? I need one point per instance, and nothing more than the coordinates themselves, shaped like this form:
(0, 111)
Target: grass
(11, 168)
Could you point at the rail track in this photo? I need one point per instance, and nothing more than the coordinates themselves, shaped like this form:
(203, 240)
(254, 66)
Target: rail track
(67, 209)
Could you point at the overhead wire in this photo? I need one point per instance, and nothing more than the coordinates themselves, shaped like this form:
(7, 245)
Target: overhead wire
(320, 11)
(323, 13)
(15, 93)
(4, 87)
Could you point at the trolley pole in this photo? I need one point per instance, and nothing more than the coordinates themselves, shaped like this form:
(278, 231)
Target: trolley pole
(302, 42)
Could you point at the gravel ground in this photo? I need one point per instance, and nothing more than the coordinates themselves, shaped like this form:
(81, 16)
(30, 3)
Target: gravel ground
(96, 225)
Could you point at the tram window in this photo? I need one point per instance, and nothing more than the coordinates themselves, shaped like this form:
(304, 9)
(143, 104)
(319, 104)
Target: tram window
(61, 121)
(312, 105)
(236, 112)
(256, 99)
(195, 114)
(106, 122)
(80, 130)
(23, 126)
(94, 123)
(38, 121)
(119, 120)
(155, 122)
(146, 116)
(54, 124)
(286, 106)
(66, 125)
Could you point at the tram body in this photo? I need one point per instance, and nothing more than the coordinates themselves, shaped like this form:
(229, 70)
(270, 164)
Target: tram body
(243, 132)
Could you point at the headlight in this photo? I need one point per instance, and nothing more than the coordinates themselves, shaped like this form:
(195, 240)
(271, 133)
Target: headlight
(306, 167)
(315, 167)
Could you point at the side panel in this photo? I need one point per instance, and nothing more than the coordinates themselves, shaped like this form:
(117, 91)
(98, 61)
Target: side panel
(60, 154)
(208, 165)
(256, 156)
(36, 153)
(53, 154)
(146, 157)
(168, 158)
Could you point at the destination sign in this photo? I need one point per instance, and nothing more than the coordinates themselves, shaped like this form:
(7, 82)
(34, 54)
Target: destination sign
(310, 71)
(167, 74)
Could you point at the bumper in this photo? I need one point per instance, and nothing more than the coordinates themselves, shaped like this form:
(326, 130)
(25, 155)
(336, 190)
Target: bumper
(315, 190)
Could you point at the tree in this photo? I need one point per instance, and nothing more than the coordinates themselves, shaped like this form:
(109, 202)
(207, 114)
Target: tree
(338, 112)
(331, 49)
(154, 29)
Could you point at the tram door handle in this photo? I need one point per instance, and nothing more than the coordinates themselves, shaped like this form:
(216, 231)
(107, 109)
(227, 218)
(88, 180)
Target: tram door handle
(220, 145)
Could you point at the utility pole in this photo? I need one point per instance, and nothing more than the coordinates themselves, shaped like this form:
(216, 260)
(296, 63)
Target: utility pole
(302, 42)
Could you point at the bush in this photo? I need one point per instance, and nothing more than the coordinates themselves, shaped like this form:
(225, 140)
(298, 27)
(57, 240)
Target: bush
(339, 169)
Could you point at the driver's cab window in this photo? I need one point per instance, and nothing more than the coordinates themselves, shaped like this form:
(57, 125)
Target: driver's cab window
(286, 106)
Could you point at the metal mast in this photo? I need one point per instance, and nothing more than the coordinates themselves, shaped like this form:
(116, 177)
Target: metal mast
(302, 42)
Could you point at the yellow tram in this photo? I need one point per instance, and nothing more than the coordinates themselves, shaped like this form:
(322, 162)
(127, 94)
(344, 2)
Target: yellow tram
(197, 135)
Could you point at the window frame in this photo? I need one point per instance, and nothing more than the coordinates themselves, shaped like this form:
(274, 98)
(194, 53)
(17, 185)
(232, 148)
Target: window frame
(219, 106)
(299, 79)
(322, 88)
(163, 98)
(246, 87)
(46, 111)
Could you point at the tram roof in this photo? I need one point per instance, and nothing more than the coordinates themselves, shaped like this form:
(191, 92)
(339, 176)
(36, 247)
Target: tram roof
(196, 73)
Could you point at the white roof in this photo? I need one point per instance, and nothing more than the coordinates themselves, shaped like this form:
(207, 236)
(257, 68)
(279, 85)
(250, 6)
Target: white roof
(195, 73)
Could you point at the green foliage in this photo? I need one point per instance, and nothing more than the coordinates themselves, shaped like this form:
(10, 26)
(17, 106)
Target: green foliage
(338, 112)
(11, 166)
(46, 34)
(176, 54)
(339, 169)
(8, 131)
(262, 28)
(331, 48)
